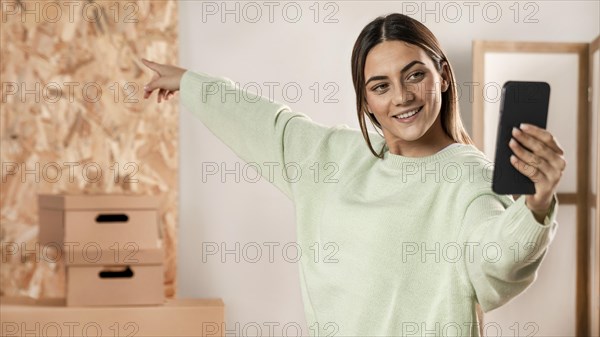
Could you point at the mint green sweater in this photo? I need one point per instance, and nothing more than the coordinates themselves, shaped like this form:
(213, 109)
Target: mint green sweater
(390, 247)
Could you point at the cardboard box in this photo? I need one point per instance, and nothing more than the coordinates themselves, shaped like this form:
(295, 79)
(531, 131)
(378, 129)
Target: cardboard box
(110, 245)
(176, 318)
(100, 229)
(115, 285)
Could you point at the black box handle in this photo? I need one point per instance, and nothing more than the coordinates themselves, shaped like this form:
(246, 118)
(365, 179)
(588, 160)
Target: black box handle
(112, 218)
(124, 273)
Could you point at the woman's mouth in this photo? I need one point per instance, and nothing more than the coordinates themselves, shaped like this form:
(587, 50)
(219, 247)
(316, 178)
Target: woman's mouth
(408, 116)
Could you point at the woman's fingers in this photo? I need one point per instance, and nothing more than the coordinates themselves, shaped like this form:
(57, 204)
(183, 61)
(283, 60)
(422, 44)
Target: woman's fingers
(542, 145)
(156, 83)
(538, 155)
(153, 84)
(166, 79)
(169, 94)
(149, 88)
(527, 163)
(161, 94)
(544, 136)
(164, 95)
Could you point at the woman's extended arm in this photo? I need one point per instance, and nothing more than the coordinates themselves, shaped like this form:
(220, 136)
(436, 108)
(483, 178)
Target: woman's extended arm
(264, 133)
(518, 234)
(504, 245)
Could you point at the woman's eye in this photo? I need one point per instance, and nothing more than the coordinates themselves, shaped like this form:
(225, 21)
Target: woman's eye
(378, 87)
(417, 75)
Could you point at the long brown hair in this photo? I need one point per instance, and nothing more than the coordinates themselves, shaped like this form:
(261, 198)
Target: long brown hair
(399, 27)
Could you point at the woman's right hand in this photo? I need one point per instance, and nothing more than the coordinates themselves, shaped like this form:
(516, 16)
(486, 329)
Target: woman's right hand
(166, 79)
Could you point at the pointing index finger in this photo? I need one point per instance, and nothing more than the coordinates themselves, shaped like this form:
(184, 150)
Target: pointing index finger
(151, 65)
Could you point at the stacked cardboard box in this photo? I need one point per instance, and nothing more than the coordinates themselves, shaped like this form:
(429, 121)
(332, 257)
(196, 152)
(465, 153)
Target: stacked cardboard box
(111, 246)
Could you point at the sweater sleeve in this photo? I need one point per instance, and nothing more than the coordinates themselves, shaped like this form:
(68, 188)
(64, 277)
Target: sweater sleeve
(262, 132)
(504, 246)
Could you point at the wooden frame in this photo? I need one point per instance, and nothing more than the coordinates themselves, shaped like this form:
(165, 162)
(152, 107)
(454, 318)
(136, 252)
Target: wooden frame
(580, 197)
(594, 201)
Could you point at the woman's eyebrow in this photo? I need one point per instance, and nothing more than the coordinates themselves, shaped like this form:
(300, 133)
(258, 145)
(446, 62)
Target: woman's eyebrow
(406, 67)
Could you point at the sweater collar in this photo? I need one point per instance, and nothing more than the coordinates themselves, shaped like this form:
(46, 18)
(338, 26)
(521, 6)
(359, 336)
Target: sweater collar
(397, 161)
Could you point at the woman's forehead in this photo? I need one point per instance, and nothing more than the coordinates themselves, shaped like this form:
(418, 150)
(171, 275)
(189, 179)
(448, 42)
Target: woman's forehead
(392, 56)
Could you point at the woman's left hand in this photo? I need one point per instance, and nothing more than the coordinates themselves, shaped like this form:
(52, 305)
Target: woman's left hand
(543, 163)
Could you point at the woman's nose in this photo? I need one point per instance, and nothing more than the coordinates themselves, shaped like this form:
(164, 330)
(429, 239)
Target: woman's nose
(403, 95)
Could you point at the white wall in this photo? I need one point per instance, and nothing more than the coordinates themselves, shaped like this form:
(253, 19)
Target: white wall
(228, 211)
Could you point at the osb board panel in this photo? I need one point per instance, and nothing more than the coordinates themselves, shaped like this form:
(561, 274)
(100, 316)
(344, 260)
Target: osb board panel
(73, 120)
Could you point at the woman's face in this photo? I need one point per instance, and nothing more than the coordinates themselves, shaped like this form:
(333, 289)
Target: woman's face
(401, 78)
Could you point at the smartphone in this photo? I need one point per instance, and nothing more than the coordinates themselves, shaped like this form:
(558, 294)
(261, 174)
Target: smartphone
(520, 102)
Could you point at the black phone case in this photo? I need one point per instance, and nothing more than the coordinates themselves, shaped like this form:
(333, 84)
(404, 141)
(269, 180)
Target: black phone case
(521, 102)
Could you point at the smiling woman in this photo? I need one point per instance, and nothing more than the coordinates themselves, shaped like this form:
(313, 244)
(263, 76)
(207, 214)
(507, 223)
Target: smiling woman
(407, 102)
(398, 66)
(418, 245)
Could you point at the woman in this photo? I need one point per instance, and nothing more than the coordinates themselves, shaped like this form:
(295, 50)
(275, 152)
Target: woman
(420, 239)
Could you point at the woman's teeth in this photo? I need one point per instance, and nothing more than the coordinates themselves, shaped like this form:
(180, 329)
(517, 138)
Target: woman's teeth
(408, 114)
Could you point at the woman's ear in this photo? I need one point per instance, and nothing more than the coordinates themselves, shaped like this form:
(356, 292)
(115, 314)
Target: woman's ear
(445, 74)
(367, 107)
(369, 112)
